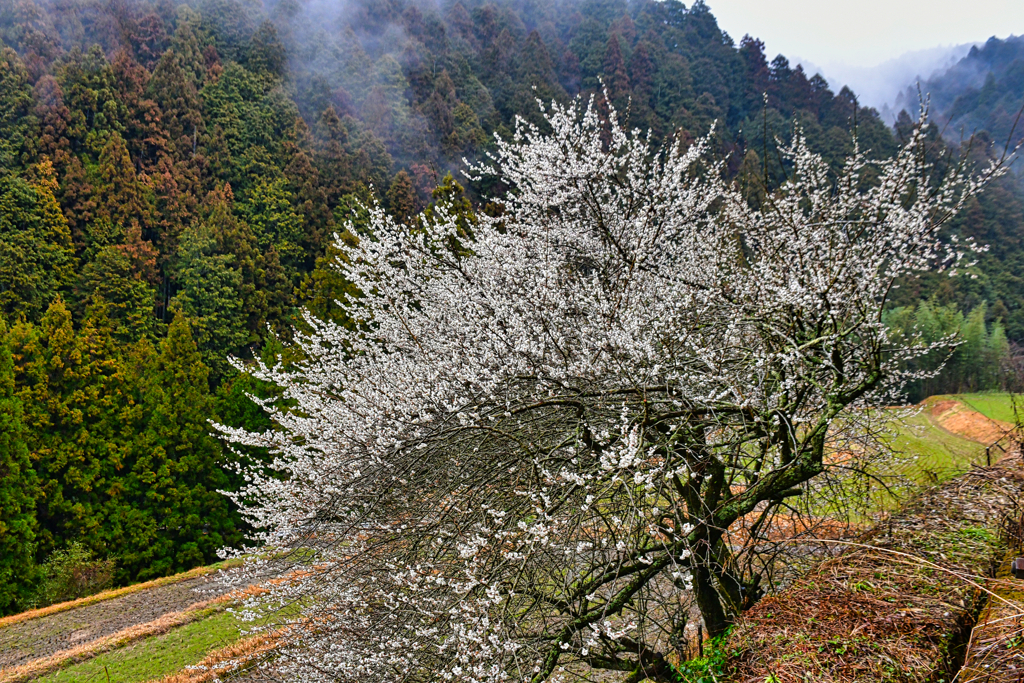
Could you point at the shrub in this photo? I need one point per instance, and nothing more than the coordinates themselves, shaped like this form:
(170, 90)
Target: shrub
(73, 573)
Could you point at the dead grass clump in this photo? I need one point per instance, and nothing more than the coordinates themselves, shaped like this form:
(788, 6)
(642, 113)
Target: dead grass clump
(227, 659)
(898, 604)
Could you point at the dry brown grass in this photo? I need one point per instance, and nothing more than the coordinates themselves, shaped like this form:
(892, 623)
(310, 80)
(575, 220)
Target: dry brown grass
(994, 652)
(898, 604)
(227, 659)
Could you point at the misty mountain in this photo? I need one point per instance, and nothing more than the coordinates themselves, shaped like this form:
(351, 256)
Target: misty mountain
(431, 81)
(880, 86)
(983, 92)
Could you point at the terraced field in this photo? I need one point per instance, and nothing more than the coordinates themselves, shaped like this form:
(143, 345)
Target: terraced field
(162, 630)
(951, 433)
(145, 633)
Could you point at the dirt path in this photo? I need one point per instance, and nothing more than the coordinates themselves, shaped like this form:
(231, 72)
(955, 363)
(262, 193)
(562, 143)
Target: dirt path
(959, 419)
(43, 636)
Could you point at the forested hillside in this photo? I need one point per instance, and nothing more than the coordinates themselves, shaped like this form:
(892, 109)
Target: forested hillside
(984, 91)
(172, 174)
(976, 105)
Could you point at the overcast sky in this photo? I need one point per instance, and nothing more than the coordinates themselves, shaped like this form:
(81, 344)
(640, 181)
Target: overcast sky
(865, 32)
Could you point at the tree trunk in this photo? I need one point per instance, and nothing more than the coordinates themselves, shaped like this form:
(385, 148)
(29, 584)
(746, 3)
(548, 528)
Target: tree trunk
(708, 601)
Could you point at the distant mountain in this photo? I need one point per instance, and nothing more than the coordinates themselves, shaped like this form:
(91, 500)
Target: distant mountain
(881, 85)
(984, 91)
(977, 101)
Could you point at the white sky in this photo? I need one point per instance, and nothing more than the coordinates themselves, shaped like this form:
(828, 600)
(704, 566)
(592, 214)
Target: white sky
(865, 32)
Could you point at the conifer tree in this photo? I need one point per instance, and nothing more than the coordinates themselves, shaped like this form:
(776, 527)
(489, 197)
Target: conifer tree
(53, 118)
(177, 470)
(111, 281)
(209, 295)
(309, 196)
(330, 138)
(276, 223)
(18, 488)
(264, 290)
(16, 121)
(150, 39)
(120, 195)
(70, 392)
(324, 288)
(173, 88)
(186, 44)
(91, 94)
(145, 133)
(616, 78)
(401, 196)
(266, 54)
(36, 256)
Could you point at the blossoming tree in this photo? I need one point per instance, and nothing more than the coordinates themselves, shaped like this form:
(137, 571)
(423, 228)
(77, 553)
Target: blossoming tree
(525, 456)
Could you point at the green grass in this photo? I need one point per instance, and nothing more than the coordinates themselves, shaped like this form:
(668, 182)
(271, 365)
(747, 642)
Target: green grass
(931, 454)
(993, 405)
(155, 657)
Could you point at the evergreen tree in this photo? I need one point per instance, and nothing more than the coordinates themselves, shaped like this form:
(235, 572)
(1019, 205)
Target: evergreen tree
(266, 54)
(616, 78)
(53, 118)
(36, 255)
(330, 138)
(209, 285)
(111, 281)
(17, 123)
(121, 195)
(18, 490)
(402, 196)
(187, 46)
(265, 290)
(177, 472)
(276, 223)
(173, 88)
(92, 97)
(71, 390)
(145, 135)
(325, 288)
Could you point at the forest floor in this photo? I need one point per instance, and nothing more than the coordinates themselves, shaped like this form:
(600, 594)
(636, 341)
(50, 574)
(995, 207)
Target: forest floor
(181, 629)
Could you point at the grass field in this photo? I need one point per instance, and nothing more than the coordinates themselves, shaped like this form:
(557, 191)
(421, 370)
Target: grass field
(931, 454)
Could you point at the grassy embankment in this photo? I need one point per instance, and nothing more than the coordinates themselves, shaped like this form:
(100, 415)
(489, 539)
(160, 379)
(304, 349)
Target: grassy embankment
(932, 449)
